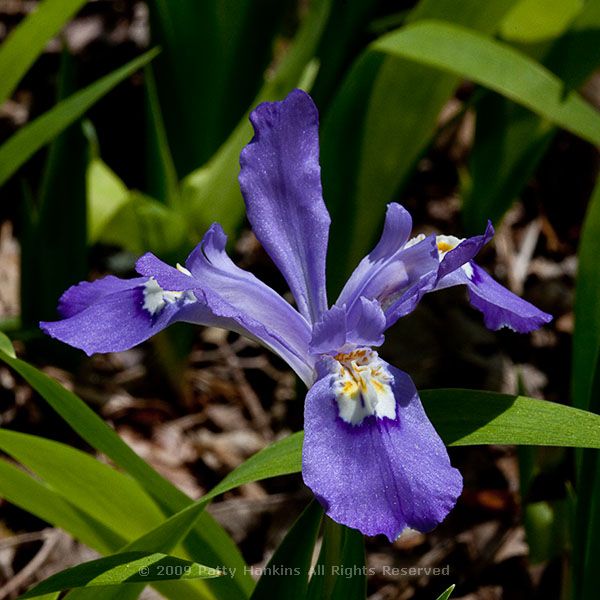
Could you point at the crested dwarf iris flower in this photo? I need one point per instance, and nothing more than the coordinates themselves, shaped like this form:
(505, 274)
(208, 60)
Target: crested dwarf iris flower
(370, 454)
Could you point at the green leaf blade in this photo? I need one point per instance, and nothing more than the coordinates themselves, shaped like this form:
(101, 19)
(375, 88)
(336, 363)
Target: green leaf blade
(496, 66)
(27, 41)
(123, 568)
(23, 144)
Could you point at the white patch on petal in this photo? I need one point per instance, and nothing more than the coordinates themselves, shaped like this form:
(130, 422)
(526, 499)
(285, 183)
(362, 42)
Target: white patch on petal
(468, 269)
(414, 241)
(155, 298)
(183, 270)
(445, 243)
(362, 386)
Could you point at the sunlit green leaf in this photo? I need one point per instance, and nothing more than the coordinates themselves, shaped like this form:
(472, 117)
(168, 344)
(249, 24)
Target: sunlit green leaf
(537, 20)
(6, 345)
(381, 121)
(27, 41)
(497, 66)
(123, 568)
(87, 483)
(446, 594)
(510, 140)
(106, 195)
(161, 174)
(208, 543)
(22, 490)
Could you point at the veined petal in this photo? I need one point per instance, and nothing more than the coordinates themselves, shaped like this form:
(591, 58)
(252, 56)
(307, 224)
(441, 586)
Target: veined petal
(383, 473)
(280, 180)
(500, 307)
(112, 314)
(249, 306)
(393, 273)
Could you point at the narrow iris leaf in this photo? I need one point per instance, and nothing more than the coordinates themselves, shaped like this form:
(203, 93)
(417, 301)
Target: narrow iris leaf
(87, 483)
(342, 548)
(27, 41)
(497, 66)
(510, 140)
(126, 567)
(532, 21)
(220, 173)
(23, 144)
(6, 345)
(379, 124)
(22, 490)
(446, 594)
(208, 543)
(286, 574)
(585, 388)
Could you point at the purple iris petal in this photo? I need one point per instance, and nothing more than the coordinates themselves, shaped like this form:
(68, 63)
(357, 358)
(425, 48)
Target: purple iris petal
(107, 315)
(281, 184)
(394, 274)
(381, 475)
(500, 307)
(337, 329)
(251, 307)
(465, 251)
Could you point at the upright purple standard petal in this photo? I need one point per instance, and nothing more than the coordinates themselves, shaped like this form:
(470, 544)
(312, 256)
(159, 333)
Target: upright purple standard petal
(383, 473)
(280, 180)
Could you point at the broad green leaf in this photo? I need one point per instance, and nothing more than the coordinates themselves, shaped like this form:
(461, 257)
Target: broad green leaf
(86, 483)
(27, 41)
(212, 192)
(31, 495)
(510, 140)
(280, 458)
(106, 195)
(142, 223)
(496, 66)
(123, 568)
(468, 417)
(532, 21)
(381, 121)
(6, 345)
(35, 135)
(162, 538)
(446, 594)
(208, 543)
(286, 574)
(342, 548)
